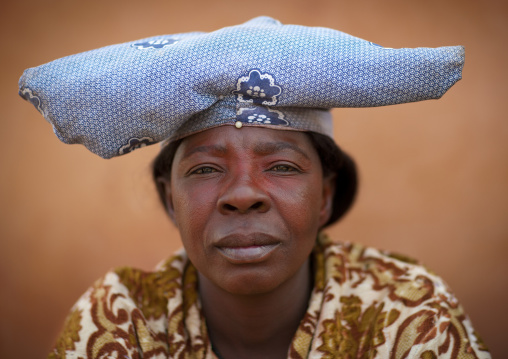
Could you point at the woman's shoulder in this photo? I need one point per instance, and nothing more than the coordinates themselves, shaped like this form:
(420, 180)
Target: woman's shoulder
(357, 264)
(377, 276)
(409, 309)
(124, 301)
(148, 291)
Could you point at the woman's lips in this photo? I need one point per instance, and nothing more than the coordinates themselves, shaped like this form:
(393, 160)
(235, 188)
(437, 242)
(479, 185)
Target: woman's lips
(243, 248)
(248, 254)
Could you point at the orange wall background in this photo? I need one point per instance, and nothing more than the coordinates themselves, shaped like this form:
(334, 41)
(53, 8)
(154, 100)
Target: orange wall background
(434, 175)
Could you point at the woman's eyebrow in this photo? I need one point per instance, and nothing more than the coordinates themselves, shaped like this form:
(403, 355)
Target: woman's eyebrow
(267, 148)
(212, 149)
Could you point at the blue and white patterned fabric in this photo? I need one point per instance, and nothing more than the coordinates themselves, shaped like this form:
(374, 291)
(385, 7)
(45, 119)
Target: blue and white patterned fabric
(260, 73)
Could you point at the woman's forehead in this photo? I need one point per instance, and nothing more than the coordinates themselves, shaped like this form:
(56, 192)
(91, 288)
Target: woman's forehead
(258, 140)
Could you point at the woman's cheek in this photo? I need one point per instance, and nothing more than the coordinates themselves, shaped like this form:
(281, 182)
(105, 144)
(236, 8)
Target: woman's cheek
(295, 193)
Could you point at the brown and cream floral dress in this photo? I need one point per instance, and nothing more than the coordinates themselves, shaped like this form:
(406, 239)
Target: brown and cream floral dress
(365, 304)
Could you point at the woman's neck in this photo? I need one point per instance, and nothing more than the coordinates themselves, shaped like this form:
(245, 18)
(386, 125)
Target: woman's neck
(255, 326)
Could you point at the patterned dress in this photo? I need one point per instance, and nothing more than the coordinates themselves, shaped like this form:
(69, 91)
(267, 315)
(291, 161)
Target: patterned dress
(365, 304)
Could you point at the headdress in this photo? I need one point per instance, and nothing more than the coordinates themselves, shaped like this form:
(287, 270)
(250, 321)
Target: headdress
(260, 73)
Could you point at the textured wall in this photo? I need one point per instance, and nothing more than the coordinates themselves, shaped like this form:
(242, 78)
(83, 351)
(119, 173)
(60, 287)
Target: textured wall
(434, 174)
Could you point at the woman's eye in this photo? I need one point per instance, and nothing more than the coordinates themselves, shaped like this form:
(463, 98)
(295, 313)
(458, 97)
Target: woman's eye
(204, 170)
(283, 168)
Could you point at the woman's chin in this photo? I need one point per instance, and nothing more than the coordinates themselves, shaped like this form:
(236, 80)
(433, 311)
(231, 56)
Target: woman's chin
(247, 282)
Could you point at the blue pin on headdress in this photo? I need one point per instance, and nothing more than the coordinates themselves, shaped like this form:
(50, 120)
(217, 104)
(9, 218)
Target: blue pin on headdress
(260, 73)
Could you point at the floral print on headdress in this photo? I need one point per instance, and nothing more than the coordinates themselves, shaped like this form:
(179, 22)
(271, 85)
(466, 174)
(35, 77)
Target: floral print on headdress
(261, 115)
(257, 88)
(135, 143)
(154, 44)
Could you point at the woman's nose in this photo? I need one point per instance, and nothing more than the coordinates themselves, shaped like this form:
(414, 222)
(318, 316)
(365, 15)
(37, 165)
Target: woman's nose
(244, 194)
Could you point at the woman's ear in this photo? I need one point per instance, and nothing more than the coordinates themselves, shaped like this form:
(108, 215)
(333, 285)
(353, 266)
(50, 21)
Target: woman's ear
(164, 187)
(327, 199)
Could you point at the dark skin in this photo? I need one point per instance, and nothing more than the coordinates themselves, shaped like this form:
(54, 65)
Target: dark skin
(248, 204)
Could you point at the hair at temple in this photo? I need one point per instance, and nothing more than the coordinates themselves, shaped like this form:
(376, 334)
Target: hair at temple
(333, 161)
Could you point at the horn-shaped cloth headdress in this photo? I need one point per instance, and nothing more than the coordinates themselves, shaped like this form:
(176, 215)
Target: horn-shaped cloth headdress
(260, 73)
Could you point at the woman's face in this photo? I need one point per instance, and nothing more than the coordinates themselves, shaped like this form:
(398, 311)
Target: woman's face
(248, 204)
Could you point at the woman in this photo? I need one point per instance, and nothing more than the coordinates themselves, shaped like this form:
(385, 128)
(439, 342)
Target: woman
(250, 176)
